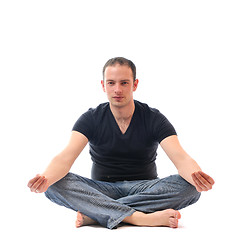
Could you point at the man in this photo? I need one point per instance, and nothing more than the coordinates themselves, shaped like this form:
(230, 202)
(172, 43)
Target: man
(123, 135)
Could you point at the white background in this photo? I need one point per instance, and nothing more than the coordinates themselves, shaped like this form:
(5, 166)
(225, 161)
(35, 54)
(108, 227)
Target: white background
(190, 60)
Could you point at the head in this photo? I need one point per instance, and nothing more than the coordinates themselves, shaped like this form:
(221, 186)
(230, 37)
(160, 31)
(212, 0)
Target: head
(119, 81)
(122, 62)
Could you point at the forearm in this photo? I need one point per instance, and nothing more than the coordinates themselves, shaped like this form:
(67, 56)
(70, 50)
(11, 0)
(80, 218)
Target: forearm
(186, 168)
(57, 169)
(60, 165)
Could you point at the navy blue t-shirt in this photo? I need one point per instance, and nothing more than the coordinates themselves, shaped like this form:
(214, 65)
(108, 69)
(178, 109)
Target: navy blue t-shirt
(129, 156)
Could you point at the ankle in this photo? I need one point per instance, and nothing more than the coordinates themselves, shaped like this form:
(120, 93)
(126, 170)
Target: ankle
(137, 218)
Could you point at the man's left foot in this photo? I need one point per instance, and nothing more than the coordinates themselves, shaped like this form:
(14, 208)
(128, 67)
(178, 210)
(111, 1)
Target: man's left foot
(83, 220)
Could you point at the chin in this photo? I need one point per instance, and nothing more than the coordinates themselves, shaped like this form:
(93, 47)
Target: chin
(118, 104)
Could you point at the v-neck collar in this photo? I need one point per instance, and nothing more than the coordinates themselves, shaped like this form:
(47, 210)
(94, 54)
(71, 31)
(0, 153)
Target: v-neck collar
(116, 126)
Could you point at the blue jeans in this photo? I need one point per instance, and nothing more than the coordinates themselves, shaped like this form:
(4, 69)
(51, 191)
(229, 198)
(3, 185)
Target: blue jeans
(108, 203)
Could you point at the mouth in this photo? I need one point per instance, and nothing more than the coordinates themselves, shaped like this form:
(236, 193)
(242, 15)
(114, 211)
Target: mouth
(118, 98)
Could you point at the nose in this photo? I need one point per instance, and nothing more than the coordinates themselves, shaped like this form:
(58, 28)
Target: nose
(118, 88)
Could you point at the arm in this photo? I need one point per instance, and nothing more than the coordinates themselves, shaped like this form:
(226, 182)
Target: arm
(60, 165)
(186, 166)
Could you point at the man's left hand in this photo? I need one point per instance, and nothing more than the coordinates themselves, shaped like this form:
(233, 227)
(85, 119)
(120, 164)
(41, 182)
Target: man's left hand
(202, 181)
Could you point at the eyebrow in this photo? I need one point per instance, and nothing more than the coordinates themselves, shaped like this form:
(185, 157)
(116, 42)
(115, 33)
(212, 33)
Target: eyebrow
(124, 80)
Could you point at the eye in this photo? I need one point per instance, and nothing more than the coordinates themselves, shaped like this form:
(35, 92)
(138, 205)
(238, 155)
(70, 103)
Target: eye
(110, 83)
(124, 83)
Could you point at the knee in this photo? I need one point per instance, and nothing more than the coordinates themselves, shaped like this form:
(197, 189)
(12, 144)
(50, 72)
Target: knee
(58, 194)
(58, 186)
(189, 191)
(52, 191)
(194, 195)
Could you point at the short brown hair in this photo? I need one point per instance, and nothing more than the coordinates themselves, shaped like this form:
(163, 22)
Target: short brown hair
(121, 61)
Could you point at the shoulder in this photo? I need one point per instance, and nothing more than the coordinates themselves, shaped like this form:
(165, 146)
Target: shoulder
(93, 115)
(99, 110)
(152, 115)
(158, 124)
(88, 121)
(144, 108)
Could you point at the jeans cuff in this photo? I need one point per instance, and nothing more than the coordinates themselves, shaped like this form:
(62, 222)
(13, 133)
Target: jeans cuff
(113, 223)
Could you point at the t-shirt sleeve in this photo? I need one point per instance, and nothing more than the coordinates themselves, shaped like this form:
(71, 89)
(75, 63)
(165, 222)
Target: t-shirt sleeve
(85, 124)
(162, 127)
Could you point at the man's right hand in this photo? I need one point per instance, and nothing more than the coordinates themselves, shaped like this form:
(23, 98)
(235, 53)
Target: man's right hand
(38, 184)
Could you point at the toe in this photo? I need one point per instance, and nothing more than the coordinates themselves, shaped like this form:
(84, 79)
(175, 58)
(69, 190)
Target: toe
(177, 215)
(79, 221)
(173, 222)
(78, 224)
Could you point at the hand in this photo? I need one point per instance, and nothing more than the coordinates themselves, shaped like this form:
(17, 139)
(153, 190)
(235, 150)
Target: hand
(202, 181)
(38, 184)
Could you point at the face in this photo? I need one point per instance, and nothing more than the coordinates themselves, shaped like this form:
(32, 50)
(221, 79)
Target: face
(119, 85)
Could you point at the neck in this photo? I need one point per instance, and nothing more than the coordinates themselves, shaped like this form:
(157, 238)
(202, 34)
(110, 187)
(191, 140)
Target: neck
(123, 113)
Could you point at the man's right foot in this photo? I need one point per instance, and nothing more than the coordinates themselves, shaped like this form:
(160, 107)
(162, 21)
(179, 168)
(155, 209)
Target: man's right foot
(83, 220)
(166, 218)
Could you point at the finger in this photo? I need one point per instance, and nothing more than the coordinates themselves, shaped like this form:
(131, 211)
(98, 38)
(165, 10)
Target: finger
(207, 177)
(195, 179)
(37, 184)
(32, 181)
(205, 185)
(197, 183)
(38, 188)
(205, 181)
(43, 187)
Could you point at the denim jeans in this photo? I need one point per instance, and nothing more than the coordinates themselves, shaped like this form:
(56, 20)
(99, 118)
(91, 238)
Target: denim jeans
(108, 203)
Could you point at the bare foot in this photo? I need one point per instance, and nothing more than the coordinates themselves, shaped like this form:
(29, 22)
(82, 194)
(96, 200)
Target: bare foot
(166, 218)
(83, 220)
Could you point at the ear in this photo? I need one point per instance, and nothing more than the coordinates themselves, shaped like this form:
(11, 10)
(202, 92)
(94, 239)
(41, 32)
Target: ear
(136, 82)
(103, 85)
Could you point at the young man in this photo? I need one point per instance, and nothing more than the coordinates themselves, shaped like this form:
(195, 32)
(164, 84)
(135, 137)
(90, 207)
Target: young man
(123, 135)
